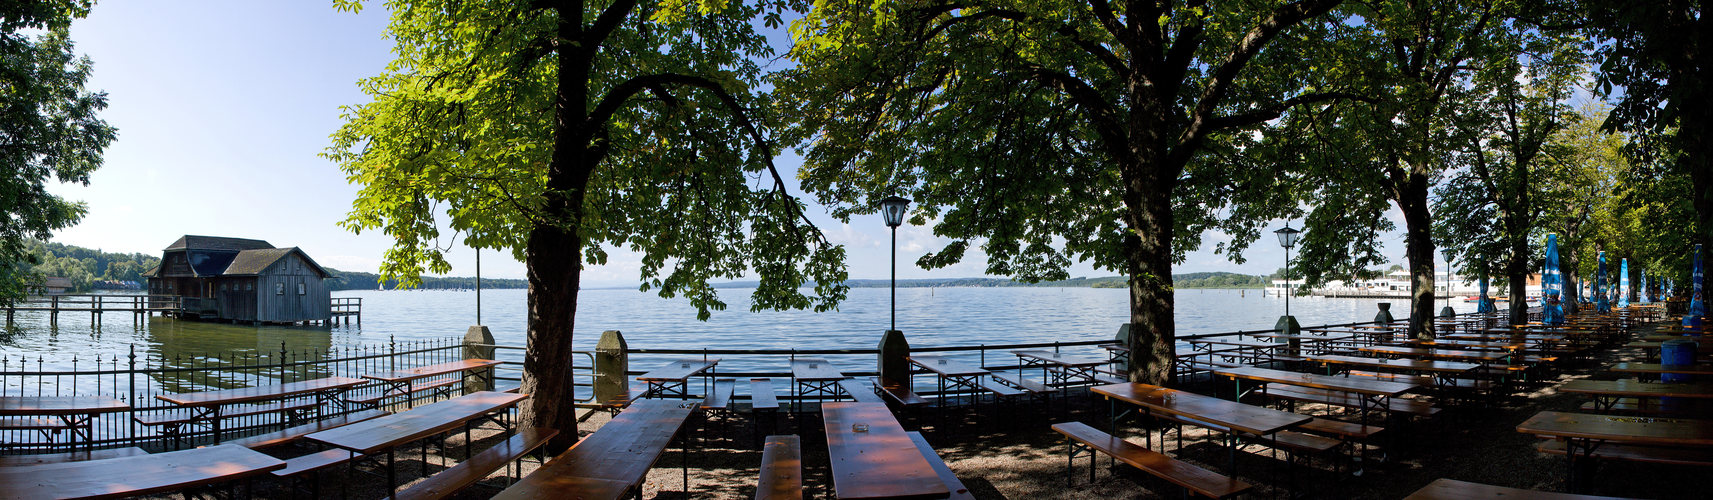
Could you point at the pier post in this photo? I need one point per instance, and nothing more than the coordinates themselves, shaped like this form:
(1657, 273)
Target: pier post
(611, 364)
(478, 344)
(894, 369)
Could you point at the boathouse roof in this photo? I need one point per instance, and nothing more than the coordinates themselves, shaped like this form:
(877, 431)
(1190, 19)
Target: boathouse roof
(193, 242)
(253, 262)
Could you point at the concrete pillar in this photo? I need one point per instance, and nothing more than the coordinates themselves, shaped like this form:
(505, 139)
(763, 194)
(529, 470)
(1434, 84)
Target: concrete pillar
(894, 369)
(477, 340)
(611, 363)
(1123, 338)
(1384, 318)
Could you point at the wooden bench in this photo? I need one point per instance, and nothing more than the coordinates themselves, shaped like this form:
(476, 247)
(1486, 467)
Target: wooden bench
(294, 433)
(898, 393)
(73, 456)
(1289, 440)
(999, 389)
(447, 482)
(1638, 453)
(172, 422)
(1451, 489)
(1394, 405)
(862, 393)
(1344, 430)
(720, 399)
(1192, 478)
(375, 400)
(781, 469)
(1648, 406)
(959, 492)
(1027, 385)
(761, 395)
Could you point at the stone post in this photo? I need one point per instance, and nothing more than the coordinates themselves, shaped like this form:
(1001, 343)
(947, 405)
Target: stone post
(478, 342)
(894, 369)
(1123, 338)
(1384, 318)
(1287, 325)
(611, 364)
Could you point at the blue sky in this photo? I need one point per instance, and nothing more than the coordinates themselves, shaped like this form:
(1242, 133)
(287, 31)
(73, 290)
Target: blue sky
(222, 108)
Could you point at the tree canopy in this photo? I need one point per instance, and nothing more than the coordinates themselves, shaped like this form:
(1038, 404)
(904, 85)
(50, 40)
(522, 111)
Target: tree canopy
(49, 130)
(561, 130)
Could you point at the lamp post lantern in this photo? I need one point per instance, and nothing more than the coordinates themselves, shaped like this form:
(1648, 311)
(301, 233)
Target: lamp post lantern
(1287, 325)
(1287, 239)
(1447, 311)
(892, 209)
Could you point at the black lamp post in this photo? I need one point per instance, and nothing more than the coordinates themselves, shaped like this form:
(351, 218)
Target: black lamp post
(1287, 239)
(892, 209)
(1447, 311)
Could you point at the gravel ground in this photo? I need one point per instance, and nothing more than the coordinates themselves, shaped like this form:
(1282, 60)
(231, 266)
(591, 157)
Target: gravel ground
(1009, 451)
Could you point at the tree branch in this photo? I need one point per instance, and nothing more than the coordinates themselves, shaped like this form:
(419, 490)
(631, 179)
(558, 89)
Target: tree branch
(1219, 83)
(1259, 115)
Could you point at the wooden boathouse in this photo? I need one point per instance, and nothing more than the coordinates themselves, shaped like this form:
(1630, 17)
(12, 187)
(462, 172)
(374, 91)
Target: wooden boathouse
(242, 280)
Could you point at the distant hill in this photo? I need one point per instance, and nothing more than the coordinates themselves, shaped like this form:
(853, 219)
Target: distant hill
(356, 280)
(87, 268)
(1188, 280)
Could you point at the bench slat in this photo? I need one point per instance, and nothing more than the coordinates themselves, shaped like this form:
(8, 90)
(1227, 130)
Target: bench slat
(1347, 430)
(447, 482)
(1201, 481)
(761, 394)
(859, 391)
(392, 393)
(1451, 489)
(74, 456)
(781, 469)
(1023, 383)
(292, 434)
(178, 417)
(1398, 405)
(721, 397)
(959, 492)
(1638, 453)
(899, 393)
(314, 462)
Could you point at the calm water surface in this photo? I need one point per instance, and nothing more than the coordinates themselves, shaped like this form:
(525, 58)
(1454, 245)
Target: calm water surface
(929, 317)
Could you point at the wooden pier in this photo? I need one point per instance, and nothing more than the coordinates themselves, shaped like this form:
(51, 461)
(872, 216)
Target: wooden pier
(143, 306)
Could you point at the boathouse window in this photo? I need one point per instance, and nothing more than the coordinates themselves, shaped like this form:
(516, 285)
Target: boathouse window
(279, 288)
(302, 289)
(222, 287)
(249, 287)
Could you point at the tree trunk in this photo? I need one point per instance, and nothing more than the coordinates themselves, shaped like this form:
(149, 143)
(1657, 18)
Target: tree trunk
(1517, 274)
(1152, 326)
(1418, 249)
(554, 250)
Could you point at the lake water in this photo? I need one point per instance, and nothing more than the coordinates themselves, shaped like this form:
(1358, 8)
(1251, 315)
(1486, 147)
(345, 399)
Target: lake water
(928, 316)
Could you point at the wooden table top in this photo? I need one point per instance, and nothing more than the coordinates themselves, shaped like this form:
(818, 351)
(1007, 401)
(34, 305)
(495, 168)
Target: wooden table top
(1513, 337)
(1466, 344)
(1641, 430)
(1396, 364)
(432, 370)
(946, 367)
(618, 454)
(1452, 489)
(134, 475)
(384, 433)
(1637, 389)
(1284, 336)
(1057, 359)
(1359, 385)
(1422, 352)
(60, 405)
(880, 463)
(678, 370)
(814, 369)
(1697, 369)
(1250, 419)
(1236, 343)
(261, 392)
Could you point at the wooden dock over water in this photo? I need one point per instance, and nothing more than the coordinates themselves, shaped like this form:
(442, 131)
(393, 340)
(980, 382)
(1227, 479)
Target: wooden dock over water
(142, 306)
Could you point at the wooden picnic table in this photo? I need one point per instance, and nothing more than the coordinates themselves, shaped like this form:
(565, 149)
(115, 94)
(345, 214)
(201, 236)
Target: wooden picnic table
(872, 456)
(815, 377)
(1452, 489)
(75, 414)
(673, 379)
(611, 462)
(403, 382)
(205, 407)
(1443, 371)
(1606, 393)
(1482, 357)
(135, 475)
(952, 374)
(1471, 345)
(384, 434)
(1057, 369)
(1658, 369)
(1252, 420)
(1375, 394)
(1583, 433)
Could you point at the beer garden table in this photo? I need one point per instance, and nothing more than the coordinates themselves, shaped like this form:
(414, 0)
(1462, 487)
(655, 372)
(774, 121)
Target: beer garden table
(385, 434)
(135, 475)
(1583, 433)
(872, 456)
(614, 460)
(75, 414)
(205, 407)
(673, 378)
(1239, 417)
